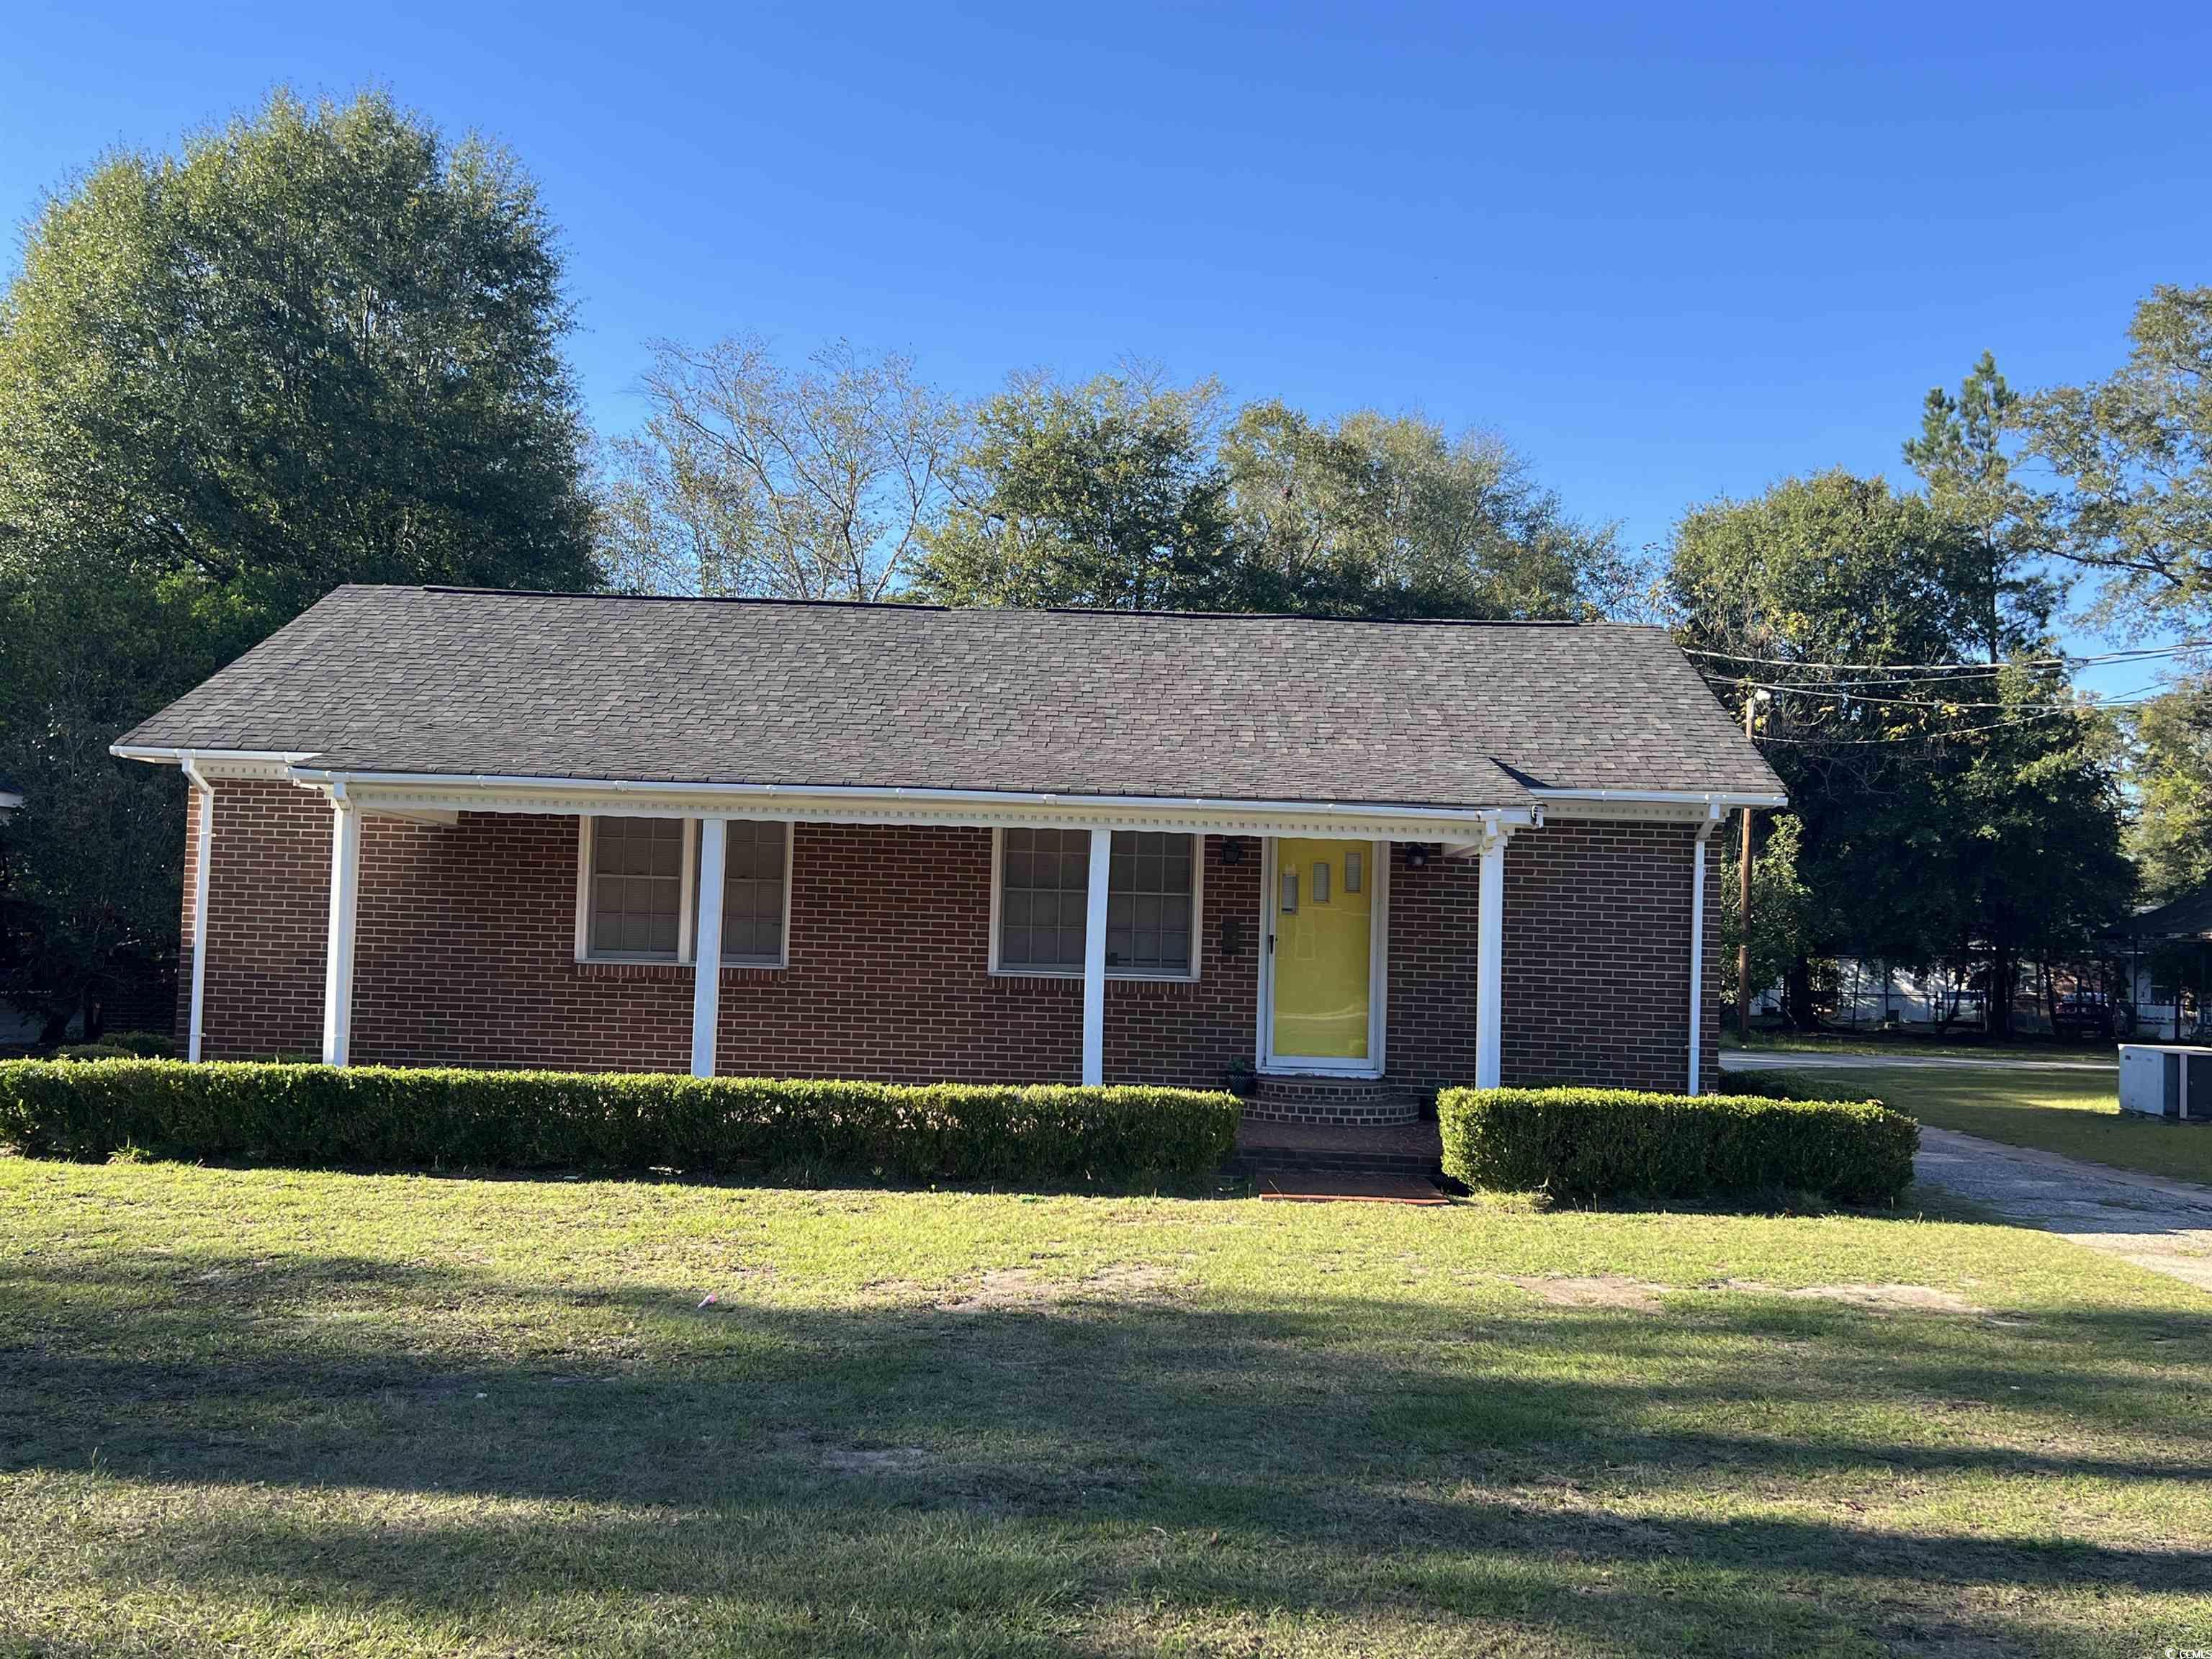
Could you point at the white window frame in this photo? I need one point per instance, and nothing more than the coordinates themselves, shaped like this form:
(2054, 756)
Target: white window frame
(687, 906)
(1197, 923)
(782, 958)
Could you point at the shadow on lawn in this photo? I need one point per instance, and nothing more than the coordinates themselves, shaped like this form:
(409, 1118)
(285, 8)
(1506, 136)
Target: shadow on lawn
(918, 1469)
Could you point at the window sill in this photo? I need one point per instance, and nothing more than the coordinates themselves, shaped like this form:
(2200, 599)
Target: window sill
(1074, 977)
(631, 967)
(662, 968)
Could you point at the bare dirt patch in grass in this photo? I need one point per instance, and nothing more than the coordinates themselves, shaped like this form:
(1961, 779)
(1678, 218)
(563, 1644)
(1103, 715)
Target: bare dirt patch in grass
(1019, 1289)
(1636, 1296)
(1599, 1291)
(1918, 1298)
(873, 1460)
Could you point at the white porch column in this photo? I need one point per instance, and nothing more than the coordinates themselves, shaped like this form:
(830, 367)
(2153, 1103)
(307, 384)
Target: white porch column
(1490, 962)
(706, 946)
(345, 906)
(1093, 959)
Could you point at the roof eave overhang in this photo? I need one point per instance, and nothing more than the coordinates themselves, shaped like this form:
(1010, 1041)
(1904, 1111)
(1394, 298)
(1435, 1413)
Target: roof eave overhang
(431, 794)
(1660, 806)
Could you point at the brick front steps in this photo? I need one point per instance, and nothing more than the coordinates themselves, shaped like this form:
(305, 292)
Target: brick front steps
(1347, 1102)
(1265, 1147)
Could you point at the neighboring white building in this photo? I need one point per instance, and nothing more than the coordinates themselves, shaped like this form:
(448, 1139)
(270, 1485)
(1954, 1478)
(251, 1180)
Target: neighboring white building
(1873, 994)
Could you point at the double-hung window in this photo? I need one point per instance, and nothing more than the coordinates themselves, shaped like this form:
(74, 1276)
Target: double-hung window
(1043, 902)
(757, 857)
(635, 890)
(636, 884)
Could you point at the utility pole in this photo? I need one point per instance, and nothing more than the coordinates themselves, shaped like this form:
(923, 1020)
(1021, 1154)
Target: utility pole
(1743, 905)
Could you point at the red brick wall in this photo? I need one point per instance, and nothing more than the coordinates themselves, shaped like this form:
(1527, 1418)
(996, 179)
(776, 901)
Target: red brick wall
(890, 949)
(1597, 971)
(268, 919)
(467, 943)
(1429, 1010)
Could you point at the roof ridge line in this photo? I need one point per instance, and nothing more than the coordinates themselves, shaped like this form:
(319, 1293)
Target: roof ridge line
(999, 610)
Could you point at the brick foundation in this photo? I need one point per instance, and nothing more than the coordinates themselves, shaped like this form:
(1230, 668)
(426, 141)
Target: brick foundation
(466, 955)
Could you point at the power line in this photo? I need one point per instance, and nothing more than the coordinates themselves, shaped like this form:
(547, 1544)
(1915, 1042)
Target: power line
(1963, 732)
(1837, 693)
(1945, 669)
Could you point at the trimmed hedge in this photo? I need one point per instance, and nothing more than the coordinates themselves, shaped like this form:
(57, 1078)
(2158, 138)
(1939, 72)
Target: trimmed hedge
(322, 1115)
(1774, 1084)
(1581, 1144)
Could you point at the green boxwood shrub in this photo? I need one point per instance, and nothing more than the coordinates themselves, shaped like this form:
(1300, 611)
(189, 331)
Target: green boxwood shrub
(1580, 1143)
(367, 1114)
(1771, 1085)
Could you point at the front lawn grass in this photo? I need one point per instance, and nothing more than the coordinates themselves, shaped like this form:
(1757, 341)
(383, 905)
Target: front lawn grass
(2077, 1113)
(279, 1412)
(1910, 1043)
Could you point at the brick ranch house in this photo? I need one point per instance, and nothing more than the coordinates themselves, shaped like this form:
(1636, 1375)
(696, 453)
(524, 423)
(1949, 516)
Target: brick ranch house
(1363, 860)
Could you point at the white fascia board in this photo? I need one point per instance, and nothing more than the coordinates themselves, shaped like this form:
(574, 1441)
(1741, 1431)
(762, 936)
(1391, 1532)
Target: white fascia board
(218, 762)
(387, 791)
(1682, 806)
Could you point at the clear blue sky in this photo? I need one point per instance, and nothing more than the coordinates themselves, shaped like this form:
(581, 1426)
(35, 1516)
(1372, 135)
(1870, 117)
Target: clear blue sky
(1669, 252)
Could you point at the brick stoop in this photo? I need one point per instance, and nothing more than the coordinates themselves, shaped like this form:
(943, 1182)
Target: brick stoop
(1334, 1101)
(1267, 1146)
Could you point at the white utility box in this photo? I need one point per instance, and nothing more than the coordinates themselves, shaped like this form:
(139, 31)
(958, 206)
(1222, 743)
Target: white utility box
(2161, 1079)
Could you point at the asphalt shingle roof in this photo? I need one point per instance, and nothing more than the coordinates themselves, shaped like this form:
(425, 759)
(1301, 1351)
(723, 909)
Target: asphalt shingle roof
(2189, 916)
(409, 679)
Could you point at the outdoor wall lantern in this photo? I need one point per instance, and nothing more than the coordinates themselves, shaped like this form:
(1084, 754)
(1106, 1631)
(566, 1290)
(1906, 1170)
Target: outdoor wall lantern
(1416, 856)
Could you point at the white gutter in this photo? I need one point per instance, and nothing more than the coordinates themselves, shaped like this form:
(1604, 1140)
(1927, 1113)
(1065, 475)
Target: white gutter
(320, 777)
(1721, 797)
(293, 760)
(177, 756)
(203, 856)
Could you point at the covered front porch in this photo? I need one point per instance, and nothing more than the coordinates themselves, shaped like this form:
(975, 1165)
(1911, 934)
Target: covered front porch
(858, 912)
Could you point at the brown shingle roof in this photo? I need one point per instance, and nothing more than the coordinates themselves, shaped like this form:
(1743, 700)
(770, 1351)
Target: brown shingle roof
(407, 679)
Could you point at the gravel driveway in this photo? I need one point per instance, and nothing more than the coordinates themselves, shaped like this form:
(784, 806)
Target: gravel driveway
(2153, 1221)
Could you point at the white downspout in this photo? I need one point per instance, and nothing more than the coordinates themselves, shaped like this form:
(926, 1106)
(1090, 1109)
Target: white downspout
(1706, 829)
(203, 852)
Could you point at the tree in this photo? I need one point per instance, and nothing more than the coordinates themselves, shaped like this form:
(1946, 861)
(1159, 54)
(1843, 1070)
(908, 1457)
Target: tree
(748, 478)
(1963, 461)
(1780, 904)
(318, 345)
(2170, 765)
(1103, 494)
(2135, 452)
(1924, 800)
(2034, 861)
(1392, 516)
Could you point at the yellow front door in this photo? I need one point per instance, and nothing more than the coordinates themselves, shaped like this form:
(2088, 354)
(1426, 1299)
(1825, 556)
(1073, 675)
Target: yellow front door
(1323, 919)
